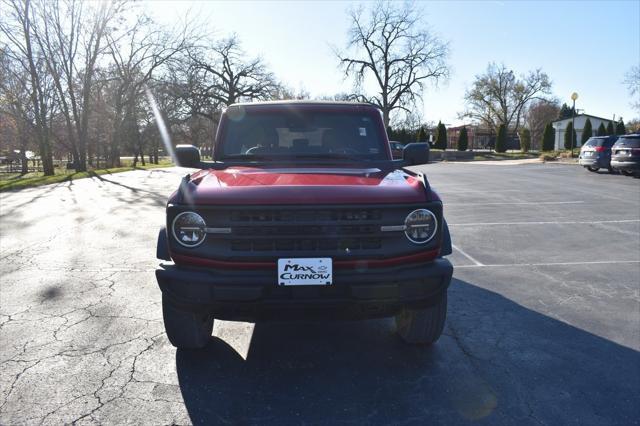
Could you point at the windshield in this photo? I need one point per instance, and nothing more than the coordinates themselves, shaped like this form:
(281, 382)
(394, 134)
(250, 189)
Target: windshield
(297, 134)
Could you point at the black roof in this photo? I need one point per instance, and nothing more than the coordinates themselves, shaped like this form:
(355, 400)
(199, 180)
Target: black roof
(305, 102)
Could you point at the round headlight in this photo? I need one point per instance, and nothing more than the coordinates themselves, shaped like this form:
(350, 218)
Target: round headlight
(420, 226)
(189, 229)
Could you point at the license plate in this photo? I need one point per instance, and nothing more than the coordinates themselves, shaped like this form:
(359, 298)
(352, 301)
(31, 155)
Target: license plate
(587, 154)
(305, 271)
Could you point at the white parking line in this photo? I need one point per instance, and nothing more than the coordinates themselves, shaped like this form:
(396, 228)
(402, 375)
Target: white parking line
(586, 222)
(596, 262)
(514, 203)
(467, 256)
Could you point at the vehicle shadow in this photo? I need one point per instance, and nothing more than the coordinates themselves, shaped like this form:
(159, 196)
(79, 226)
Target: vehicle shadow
(498, 363)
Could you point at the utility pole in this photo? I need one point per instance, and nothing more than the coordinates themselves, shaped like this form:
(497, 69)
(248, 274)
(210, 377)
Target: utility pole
(574, 96)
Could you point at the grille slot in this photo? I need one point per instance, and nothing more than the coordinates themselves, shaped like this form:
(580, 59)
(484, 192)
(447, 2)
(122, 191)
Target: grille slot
(306, 245)
(305, 230)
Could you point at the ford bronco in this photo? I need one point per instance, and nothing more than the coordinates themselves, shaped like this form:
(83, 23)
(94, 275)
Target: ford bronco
(303, 213)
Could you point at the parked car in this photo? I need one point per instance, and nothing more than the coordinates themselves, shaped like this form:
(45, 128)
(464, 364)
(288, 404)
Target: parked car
(396, 149)
(595, 154)
(626, 154)
(302, 213)
(421, 151)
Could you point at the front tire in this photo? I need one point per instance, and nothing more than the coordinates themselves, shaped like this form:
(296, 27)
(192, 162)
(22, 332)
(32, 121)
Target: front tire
(593, 169)
(626, 172)
(422, 326)
(186, 330)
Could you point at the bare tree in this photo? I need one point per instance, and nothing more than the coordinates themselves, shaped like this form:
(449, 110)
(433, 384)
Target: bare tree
(18, 29)
(390, 43)
(499, 97)
(15, 105)
(537, 115)
(137, 59)
(632, 81)
(226, 76)
(71, 35)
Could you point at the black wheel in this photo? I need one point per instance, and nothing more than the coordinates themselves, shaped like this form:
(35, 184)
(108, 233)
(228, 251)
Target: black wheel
(626, 172)
(422, 326)
(611, 170)
(186, 330)
(593, 169)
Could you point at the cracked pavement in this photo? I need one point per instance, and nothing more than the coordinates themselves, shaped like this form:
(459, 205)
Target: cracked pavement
(543, 325)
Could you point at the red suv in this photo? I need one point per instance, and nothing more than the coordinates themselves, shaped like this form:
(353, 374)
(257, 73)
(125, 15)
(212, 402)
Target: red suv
(303, 213)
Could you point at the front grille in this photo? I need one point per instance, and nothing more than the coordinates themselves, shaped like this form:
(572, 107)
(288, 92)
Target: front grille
(312, 216)
(265, 233)
(305, 230)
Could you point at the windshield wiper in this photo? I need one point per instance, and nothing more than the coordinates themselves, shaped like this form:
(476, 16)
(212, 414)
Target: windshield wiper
(247, 157)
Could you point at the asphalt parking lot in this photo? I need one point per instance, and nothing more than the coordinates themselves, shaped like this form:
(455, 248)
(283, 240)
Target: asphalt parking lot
(543, 325)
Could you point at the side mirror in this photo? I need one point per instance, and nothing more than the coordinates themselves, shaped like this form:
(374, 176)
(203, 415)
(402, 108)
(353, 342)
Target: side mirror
(187, 156)
(416, 153)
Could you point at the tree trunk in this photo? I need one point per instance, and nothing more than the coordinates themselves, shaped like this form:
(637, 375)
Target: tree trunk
(385, 117)
(24, 162)
(155, 151)
(142, 157)
(23, 150)
(45, 155)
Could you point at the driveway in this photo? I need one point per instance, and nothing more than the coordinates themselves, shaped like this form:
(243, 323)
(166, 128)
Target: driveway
(543, 325)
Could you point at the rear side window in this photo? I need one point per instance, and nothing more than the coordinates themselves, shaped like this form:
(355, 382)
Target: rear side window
(629, 142)
(606, 142)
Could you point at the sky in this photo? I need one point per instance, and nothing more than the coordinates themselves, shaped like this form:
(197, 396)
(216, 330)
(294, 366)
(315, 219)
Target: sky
(584, 46)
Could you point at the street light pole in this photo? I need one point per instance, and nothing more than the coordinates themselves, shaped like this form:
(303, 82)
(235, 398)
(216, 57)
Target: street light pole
(574, 134)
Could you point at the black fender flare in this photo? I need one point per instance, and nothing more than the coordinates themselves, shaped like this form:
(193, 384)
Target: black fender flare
(446, 248)
(162, 249)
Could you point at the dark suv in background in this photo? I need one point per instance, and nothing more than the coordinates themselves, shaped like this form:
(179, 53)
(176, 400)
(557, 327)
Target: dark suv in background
(626, 155)
(595, 154)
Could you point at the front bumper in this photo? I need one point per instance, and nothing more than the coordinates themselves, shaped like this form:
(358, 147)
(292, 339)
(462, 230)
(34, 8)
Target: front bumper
(253, 295)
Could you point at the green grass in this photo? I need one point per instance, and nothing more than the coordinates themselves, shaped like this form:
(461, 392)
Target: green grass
(16, 181)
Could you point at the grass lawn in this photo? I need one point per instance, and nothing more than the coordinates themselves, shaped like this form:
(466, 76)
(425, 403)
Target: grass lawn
(479, 156)
(14, 181)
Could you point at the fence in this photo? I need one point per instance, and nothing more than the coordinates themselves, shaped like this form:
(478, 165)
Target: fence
(15, 166)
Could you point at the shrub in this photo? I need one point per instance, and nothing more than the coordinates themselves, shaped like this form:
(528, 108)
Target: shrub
(569, 137)
(620, 128)
(587, 132)
(422, 135)
(548, 138)
(501, 140)
(602, 131)
(441, 137)
(549, 156)
(525, 140)
(610, 129)
(463, 139)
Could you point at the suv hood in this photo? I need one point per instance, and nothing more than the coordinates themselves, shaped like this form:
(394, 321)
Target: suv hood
(302, 185)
